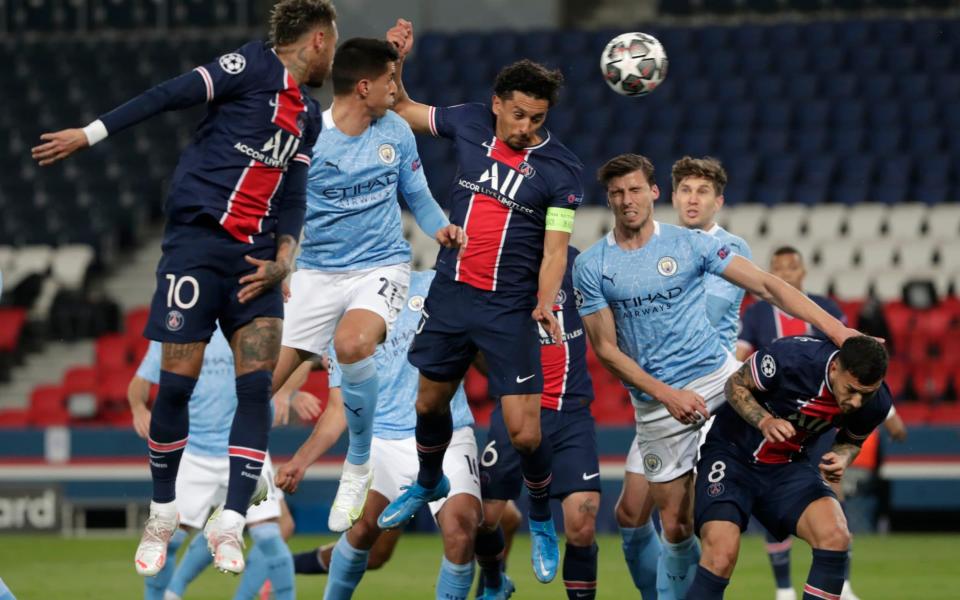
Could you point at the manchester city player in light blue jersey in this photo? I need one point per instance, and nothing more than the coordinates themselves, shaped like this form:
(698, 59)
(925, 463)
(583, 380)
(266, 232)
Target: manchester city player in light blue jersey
(394, 458)
(698, 185)
(642, 295)
(352, 277)
(203, 477)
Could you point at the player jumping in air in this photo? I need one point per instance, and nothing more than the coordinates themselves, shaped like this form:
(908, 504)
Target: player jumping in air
(754, 461)
(203, 478)
(352, 277)
(394, 459)
(234, 214)
(642, 298)
(698, 185)
(515, 195)
(567, 424)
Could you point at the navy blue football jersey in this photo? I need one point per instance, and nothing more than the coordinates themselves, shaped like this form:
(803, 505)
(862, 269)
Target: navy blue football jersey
(566, 381)
(259, 128)
(791, 374)
(500, 197)
(762, 322)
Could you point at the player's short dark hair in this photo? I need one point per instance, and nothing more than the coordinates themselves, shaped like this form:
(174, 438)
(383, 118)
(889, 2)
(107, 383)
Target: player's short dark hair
(624, 164)
(360, 58)
(784, 250)
(290, 19)
(708, 168)
(865, 358)
(530, 78)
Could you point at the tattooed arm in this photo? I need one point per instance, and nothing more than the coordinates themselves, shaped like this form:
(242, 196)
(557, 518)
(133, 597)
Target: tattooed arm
(833, 464)
(739, 390)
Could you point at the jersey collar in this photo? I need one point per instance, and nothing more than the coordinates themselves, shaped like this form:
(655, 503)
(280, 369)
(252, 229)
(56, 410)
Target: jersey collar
(612, 240)
(328, 119)
(713, 230)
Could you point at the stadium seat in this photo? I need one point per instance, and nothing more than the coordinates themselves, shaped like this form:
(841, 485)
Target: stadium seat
(888, 284)
(905, 221)
(48, 406)
(745, 220)
(112, 352)
(135, 321)
(825, 222)
(836, 254)
(943, 222)
(816, 281)
(876, 255)
(851, 284)
(786, 222)
(864, 221)
(916, 255)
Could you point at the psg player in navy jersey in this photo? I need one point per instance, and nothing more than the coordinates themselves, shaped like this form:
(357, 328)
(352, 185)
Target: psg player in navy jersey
(515, 194)
(567, 424)
(754, 461)
(234, 214)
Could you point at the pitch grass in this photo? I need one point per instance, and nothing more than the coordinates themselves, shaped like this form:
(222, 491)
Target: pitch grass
(890, 567)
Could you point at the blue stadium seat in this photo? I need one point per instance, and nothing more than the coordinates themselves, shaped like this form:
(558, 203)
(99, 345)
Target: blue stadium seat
(790, 63)
(883, 114)
(432, 47)
(713, 38)
(676, 39)
(852, 193)
(786, 35)
(868, 59)
(810, 141)
(890, 194)
(925, 140)
(853, 33)
(932, 195)
(827, 59)
(922, 113)
(803, 88)
(742, 115)
(771, 194)
(771, 141)
(885, 140)
(536, 45)
(895, 170)
(581, 70)
(814, 114)
(767, 87)
(935, 171)
(846, 141)
(839, 86)
(779, 170)
(574, 42)
(736, 194)
(601, 121)
(469, 48)
(818, 34)
(734, 140)
(889, 32)
(914, 86)
(656, 143)
(698, 143)
(695, 91)
(855, 170)
(750, 38)
(937, 59)
(847, 115)
(947, 88)
(755, 64)
(441, 73)
(818, 170)
(730, 90)
(810, 193)
(775, 115)
(721, 63)
(899, 59)
(705, 116)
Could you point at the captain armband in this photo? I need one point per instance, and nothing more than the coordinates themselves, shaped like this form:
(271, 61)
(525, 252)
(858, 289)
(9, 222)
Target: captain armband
(560, 219)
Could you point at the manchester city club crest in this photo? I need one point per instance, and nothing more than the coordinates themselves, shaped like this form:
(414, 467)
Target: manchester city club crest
(387, 154)
(415, 303)
(174, 320)
(652, 463)
(667, 266)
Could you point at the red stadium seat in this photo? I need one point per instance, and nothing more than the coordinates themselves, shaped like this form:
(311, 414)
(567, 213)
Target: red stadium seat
(12, 321)
(113, 352)
(15, 418)
(475, 385)
(932, 324)
(897, 373)
(112, 388)
(138, 346)
(899, 318)
(931, 379)
(850, 308)
(913, 413)
(48, 406)
(318, 384)
(944, 414)
(136, 321)
(80, 380)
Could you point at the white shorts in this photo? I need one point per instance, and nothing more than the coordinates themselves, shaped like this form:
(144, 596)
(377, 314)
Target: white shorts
(395, 464)
(318, 300)
(664, 448)
(202, 486)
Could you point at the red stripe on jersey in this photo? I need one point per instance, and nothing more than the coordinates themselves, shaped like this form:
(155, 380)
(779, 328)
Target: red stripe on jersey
(251, 453)
(289, 106)
(500, 151)
(486, 227)
(787, 325)
(555, 361)
(250, 201)
(824, 406)
(818, 593)
(775, 453)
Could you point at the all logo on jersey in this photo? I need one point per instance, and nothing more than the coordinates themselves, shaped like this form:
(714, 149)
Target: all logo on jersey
(652, 463)
(415, 303)
(233, 63)
(508, 184)
(768, 366)
(387, 154)
(667, 266)
(174, 320)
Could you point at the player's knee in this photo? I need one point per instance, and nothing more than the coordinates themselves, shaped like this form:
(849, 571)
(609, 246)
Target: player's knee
(525, 440)
(676, 529)
(363, 534)
(626, 515)
(836, 537)
(354, 349)
(719, 560)
(582, 532)
(379, 557)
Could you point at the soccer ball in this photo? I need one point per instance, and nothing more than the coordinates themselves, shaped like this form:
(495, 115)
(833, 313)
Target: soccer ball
(634, 64)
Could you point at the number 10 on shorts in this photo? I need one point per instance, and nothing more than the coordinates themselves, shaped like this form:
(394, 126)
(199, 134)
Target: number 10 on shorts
(176, 291)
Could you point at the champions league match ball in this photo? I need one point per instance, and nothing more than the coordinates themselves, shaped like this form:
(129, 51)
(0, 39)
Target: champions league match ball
(634, 64)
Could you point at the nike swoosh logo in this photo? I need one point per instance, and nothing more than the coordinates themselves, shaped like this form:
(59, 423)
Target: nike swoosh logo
(589, 477)
(543, 569)
(253, 467)
(527, 378)
(391, 517)
(272, 102)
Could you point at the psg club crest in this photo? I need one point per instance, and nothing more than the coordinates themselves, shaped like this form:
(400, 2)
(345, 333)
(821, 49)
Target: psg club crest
(652, 463)
(174, 320)
(667, 266)
(768, 366)
(527, 170)
(233, 63)
(387, 154)
(715, 489)
(415, 303)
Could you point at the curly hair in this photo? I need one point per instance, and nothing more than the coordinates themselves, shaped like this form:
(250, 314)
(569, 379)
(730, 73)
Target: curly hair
(624, 164)
(708, 168)
(530, 78)
(290, 19)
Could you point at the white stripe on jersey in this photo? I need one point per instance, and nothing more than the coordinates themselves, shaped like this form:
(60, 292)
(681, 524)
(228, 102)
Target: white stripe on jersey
(233, 195)
(566, 351)
(207, 81)
(431, 120)
(503, 239)
(302, 158)
(466, 219)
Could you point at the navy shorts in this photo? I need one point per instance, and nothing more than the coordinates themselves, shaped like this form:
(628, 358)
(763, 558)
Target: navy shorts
(198, 279)
(730, 489)
(576, 466)
(458, 320)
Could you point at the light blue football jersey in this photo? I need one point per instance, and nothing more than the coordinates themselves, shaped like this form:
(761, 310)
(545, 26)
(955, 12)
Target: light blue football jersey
(729, 325)
(657, 295)
(214, 398)
(396, 417)
(353, 215)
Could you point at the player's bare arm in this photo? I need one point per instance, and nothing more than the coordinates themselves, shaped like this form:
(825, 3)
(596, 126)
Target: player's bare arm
(833, 464)
(256, 345)
(739, 391)
(326, 432)
(414, 113)
(683, 405)
(138, 394)
(552, 268)
(776, 291)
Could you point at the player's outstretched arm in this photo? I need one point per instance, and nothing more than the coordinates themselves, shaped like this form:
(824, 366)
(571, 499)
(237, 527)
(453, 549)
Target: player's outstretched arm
(180, 92)
(787, 298)
(326, 432)
(684, 405)
(414, 113)
(138, 395)
(552, 268)
(739, 391)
